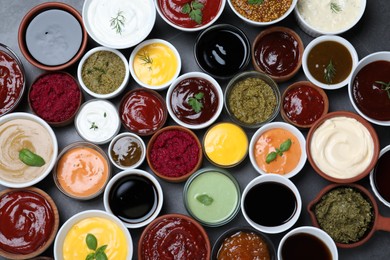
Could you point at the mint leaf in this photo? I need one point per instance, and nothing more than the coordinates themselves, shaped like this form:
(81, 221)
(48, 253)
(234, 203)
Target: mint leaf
(255, 2)
(205, 199)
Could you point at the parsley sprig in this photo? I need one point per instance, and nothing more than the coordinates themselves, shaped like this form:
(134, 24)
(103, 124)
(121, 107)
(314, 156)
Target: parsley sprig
(285, 146)
(195, 102)
(194, 10)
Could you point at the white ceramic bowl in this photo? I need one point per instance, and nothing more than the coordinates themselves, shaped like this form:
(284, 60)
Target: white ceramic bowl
(202, 76)
(326, 38)
(160, 66)
(33, 133)
(121, 87)
(257, 23)
(138, 17)
(292, 129)
(131, 135)
(318, 233)
(372, 179)
(65, 228)
(272, 178)
(322, 15)
(176, 6)
(142, 174)
(376, 56)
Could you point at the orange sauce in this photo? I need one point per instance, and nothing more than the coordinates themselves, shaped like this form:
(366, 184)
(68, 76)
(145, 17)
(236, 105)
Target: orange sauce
(268, 142)
(82, 171)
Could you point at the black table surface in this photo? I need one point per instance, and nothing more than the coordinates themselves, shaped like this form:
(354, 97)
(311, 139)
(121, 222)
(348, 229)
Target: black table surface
(368, 36)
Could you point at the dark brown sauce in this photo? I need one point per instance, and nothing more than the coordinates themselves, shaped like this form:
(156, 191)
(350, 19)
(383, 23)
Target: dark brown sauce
(382, 176)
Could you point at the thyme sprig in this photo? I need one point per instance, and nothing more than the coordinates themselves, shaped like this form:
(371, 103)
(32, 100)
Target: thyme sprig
(118, 22)
(385, 86)
(335, 7)
(329, 72)
(147, 60)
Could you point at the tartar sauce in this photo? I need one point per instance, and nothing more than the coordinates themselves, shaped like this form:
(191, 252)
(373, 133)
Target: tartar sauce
(342, 147)
(120, 23)
(97, 121)
(330, 16)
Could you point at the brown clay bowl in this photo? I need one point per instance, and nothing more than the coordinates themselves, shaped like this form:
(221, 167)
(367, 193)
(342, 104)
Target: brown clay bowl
(379, 222)
(274, 40)
(298, 91)
(183, 176)
(339, 156)
(31, 15)
(178, 229)
(51, 235)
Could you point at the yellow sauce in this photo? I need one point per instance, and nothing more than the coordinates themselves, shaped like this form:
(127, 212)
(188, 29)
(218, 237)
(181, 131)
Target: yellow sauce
(106, 232)
(155, 64)
(226, 144)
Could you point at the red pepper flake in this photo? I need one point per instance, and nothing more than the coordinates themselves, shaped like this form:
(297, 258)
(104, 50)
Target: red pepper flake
(174, 153)
(55, 97)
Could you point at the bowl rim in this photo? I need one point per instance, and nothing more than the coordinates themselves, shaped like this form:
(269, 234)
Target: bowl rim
(244, 38)
(49, 241)
(284, 181)
(191, 29)
(289, 127)
(255, 23)
(296, 85)
(310, 30)
(275, 29)
(252, 74)
(29, 116)
(361, 120)
(329, 38)
(152, 16)
(185, 176)
(10, 52)
(60, 237)
(83, 144)
(39, 9)
(372, 178)
(195, 74)
(372, 57)
(174, 215)
(224, 172)
(144, 174)
(147, 43)
(120, 88)
(143, 152)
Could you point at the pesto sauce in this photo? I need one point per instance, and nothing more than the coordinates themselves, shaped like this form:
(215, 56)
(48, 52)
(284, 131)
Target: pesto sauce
(345, 214)
(252, 100)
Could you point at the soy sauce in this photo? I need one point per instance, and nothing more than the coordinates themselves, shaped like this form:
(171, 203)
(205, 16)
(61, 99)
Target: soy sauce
(133, 198)
(270, 204)
(304, 246)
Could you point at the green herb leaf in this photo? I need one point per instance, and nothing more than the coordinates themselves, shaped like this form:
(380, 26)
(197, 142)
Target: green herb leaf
(105, 114)
(91, 241)
(385, 87)
(195, 103)
(335, 7)
(330, 72)
(205, 199)
(147, 60)
(285, 146)
(94, 126)
(194, 10)
(101, 256)
(255, 2)
(118, 22)
(90, 256)
(270, 157)
(101, 249)
(31, 159)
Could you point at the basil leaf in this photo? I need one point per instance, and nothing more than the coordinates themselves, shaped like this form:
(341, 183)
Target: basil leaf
(285, 145)
(91, 241)
(101, 256)
(101, 249)
(205, 199)
(31, 159)
(270, 157)
(90, 256)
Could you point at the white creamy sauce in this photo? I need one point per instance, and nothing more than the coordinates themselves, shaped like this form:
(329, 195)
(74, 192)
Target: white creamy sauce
(135, 15)
(98, 121)
(319, 14)
(342, 147)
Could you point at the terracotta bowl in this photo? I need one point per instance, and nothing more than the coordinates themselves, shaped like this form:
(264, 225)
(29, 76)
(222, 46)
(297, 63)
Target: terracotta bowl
(379, 222)
(183, 176)
(27, 20)
(159, 223)
(296, 92)
(282, 42)
(50, 236)
(338, 156)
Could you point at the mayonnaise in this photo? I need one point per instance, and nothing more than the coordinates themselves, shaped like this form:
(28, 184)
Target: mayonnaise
(342, 147)
(134, 19)
(97, 121)
(330, 16)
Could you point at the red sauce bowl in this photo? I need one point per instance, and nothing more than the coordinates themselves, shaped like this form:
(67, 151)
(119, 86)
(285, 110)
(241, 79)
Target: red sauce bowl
(303, 103)
(282, 44)
(39, 205)
(174, 153)
(165, 232)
